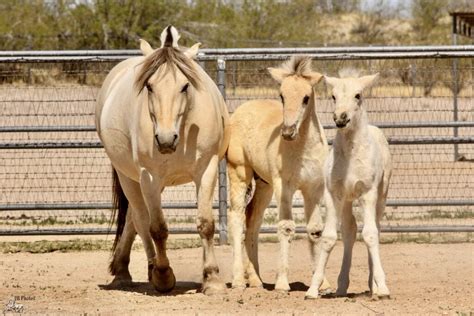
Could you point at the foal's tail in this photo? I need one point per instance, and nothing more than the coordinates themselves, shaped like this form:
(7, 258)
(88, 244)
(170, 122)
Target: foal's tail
(120, 204)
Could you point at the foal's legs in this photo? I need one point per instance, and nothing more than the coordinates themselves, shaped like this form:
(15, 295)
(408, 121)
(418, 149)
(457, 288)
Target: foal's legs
(328, 240)
(205, 225)
(119, 264)
(162, 276)
(349, 234)
(254, 216)
(314, 224)
(286, 232)
(140, 218)
(239, 179)
(370, 233)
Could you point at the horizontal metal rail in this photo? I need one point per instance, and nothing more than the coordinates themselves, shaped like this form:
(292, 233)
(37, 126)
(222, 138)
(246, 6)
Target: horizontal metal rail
(429, 140)
(387, 52)
(263, 230)
(83, 128)
(106, 206)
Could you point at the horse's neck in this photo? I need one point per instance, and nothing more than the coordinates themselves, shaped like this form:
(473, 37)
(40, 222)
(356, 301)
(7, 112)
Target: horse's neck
(355, 140)
(311, 127)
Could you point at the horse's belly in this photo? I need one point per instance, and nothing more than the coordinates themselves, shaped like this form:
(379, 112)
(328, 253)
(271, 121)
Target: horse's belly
(118, 147)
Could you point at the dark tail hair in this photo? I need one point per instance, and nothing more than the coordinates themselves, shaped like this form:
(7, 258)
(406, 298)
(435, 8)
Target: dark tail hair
(120, 204)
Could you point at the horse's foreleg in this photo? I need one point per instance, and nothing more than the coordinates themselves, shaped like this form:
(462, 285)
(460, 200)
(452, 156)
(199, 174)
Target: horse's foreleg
(139, 216)
(205, 226)
(314, 225)
(162, 276)
(370, 233)
(254, 216)
(286, 232)
(239, 179)
(349, 234)
(326, 244)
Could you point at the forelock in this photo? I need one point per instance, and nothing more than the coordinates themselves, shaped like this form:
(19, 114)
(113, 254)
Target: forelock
(299, 65)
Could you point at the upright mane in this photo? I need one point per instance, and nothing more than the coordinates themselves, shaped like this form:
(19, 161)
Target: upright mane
(172, 58)
(299, 65)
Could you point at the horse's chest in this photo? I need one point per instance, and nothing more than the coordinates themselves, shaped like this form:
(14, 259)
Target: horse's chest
(353, 180)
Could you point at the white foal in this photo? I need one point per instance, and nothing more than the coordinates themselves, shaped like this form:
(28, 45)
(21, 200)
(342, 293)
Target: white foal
(358, 169)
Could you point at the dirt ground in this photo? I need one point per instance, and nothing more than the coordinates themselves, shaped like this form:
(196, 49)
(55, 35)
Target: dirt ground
(423, 278)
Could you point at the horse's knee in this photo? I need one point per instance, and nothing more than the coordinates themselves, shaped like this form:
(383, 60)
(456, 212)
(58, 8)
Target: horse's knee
(370, 236)
(286, 230)
(205, 227)
(314, 231)
(159, 231)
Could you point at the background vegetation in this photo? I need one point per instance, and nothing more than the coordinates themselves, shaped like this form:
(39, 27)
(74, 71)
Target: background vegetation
(118, 24)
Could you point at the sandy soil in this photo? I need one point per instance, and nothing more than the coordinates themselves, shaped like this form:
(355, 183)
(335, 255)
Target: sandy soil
(435, 279)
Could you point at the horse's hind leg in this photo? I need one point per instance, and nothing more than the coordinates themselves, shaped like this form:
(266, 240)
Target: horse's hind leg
(239, 180)
(254, 216)
(205, 225)
(162, 276)
(121, 259)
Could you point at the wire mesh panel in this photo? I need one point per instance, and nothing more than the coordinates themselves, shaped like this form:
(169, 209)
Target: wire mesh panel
(54, 175)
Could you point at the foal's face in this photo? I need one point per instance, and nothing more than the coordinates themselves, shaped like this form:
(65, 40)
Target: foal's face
(168, 99)
(347, 97)
(296, 94)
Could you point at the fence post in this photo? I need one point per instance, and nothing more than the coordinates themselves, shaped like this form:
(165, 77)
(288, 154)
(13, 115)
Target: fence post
(222, 165)
(455, 86)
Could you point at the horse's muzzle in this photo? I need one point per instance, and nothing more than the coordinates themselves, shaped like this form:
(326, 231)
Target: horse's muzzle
(167, 145)
(289, 132)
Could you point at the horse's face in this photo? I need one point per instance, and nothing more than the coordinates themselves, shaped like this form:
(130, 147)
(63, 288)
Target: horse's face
(296, 94)
(347, 97)
(297, 97)
(168, 99)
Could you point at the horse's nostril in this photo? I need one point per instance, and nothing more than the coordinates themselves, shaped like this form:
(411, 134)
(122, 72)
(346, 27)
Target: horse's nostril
(175, 137)
(344, 116)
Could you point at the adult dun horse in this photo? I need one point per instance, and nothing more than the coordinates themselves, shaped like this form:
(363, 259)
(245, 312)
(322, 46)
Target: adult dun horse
(283, 146)
(162, 122)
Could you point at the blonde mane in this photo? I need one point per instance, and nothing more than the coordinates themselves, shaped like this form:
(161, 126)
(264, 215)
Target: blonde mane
(172, 58)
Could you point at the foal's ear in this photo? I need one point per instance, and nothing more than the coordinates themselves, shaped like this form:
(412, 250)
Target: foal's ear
(192, 51)
(314, 77)
(278, 73)
(368, 81)
(145, 47)
(332, 81)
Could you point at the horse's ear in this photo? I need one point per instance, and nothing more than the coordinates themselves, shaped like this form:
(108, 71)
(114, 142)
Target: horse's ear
(192, 51)
(368, 81)
(332, 81)
(278, 74)
(145, 47)
(169, 37)
(314, 77)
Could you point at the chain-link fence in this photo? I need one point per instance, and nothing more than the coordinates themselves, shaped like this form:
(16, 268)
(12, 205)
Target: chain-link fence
(55, 177)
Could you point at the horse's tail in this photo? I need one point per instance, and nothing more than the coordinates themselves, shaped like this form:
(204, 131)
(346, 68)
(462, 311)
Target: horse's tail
(120, 204)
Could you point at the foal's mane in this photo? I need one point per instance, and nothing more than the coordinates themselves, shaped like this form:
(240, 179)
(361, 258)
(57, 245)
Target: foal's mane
(299, 65)
(171, 57)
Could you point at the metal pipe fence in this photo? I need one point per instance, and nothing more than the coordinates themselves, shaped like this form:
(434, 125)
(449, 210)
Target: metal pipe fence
(55, 177)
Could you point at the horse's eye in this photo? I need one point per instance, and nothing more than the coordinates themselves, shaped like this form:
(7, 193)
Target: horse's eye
(357, 96)
(333, 97)
(282, 99)
(305, 100)
(185, 88)
(148, 87)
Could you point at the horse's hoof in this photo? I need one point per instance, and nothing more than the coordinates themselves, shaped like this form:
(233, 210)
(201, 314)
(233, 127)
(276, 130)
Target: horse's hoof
(282, 287)
(383, 297)
(119, 282)
(213, 287)
(163, 279)
(311, 294)
(255, 282)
